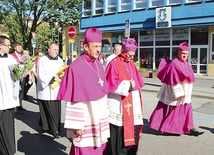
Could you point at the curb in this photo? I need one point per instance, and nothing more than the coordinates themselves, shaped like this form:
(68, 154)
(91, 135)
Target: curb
(205, 77)
(193, 95)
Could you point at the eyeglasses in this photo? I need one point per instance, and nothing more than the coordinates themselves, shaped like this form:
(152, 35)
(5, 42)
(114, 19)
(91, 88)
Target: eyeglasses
(9, 46)
(131, 56)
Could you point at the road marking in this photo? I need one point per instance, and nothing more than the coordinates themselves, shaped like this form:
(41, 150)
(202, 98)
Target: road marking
(195, 119)
(203, 119)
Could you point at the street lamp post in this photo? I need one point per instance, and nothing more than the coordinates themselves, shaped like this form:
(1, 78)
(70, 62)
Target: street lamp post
(59, 35)
(0, 29)
(60, 39)
(52, 31)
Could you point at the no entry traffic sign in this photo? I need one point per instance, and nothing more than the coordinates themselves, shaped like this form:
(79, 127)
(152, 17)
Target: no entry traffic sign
(71, 32)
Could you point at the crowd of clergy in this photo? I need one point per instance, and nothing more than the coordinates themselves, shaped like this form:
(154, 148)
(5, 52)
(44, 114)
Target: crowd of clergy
(104, 109)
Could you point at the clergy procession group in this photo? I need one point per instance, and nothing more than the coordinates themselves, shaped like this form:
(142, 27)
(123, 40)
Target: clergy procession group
(104, 109)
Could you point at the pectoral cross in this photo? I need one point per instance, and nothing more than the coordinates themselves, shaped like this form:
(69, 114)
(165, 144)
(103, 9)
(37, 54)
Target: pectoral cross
(100, 82)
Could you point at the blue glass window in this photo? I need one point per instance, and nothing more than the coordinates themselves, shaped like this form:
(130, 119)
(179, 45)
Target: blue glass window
(157, 3)
(194, 1)
(175, 1)
(98, 7)
(87, 8)
(125, 5)
(111, 6)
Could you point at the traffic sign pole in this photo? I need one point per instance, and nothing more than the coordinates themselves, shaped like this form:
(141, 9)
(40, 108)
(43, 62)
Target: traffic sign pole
(71, 35)
(33, 45)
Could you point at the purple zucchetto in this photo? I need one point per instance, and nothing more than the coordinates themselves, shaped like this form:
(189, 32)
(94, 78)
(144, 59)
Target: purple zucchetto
(129, 44)
(93, 35)
(183, 46)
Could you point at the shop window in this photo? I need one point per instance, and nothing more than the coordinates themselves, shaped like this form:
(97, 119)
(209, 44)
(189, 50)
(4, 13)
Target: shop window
(106, 46)
(146, 58)
(140, 4)
(203, 69)
(175, 2)
(134, 34)
(99, 7)
(162, 37)
(179, 36)
(87, 8)
(212, 47)
(125, 5)
(81, 46)
(161, 53)
(111, 6)
(174, 52)
(146, 38)
(155, 3)
(199, 36)
(193, 1)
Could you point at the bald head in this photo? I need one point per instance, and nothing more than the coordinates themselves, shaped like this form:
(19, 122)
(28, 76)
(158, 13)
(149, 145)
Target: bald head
(117, 49)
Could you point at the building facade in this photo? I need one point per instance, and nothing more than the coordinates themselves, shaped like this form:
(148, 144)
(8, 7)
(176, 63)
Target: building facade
(158, 26)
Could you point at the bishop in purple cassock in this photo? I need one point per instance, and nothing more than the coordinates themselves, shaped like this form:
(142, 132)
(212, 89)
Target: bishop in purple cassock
(173, 114)
(85, 89)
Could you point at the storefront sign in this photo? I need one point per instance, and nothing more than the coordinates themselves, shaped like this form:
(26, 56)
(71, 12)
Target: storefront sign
(127, 28)
(165, 37)
(163, 17)
(183, 36)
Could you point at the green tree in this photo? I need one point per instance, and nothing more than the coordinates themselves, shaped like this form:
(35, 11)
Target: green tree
(13, 28)
(24, 16)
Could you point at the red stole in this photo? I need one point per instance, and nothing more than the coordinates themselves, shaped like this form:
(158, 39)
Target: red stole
(128, 116)
(16, 57)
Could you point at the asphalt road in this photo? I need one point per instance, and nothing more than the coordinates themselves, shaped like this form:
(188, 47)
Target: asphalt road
(31, 142)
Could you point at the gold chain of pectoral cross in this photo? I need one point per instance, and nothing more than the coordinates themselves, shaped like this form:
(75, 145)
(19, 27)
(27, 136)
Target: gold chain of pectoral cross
(100, 81)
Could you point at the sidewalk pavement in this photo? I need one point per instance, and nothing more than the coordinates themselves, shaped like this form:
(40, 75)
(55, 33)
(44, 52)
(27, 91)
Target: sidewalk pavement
(203, 87)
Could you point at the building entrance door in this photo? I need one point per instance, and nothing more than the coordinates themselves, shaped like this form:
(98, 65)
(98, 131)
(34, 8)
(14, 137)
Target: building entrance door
(198, 59)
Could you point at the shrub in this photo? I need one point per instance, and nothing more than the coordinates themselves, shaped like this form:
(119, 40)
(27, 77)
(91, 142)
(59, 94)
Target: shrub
(143, 70)
(155, 70)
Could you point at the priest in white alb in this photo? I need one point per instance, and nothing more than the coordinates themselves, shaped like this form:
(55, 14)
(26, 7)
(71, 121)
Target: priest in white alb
(47, 73)
(9, 99)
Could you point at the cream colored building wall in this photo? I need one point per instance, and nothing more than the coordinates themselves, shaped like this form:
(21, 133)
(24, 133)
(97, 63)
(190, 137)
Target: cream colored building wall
(210, 71)
(77, 38)
(66, 43)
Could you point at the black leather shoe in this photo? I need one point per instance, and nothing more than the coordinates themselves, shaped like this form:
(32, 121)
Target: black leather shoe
(56, 134)
(171, 134)
(20, 108)
(194, 132)
(26, 98)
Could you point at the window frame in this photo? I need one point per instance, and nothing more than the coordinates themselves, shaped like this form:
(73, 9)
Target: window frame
(176, 3)
(139, 2)
(96, 9)
(154, 6)
(212, 47)
(193, 1)
(85, 11)
(110, 6)
(125, 4)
